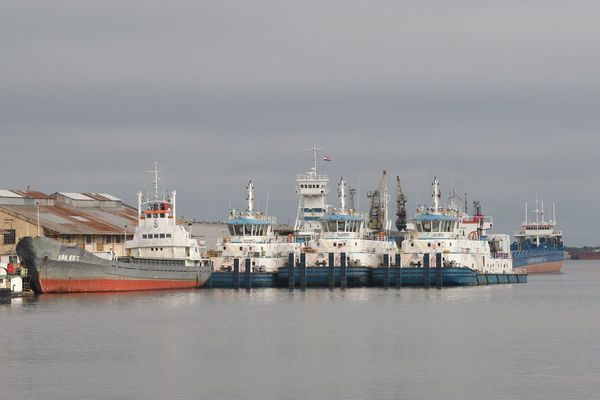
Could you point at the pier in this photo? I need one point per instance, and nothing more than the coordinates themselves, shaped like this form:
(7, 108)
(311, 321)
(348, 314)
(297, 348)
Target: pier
(296, 275)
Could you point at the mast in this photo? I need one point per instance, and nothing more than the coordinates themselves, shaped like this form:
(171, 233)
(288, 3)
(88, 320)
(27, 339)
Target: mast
(173, 205)
(553, 213)
(156, 179)
(342, 194)
(385, 197)
(537, 222)
(525, 223)
(436, 194)
(250, 197)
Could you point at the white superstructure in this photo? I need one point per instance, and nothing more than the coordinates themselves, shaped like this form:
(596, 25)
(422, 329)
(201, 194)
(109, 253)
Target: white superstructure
(158, 236)
(251, 236)
(312, 188)
(345, 231)
(462, 240)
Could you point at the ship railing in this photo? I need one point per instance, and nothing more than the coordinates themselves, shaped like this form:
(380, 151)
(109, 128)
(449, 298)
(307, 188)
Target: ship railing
(311, 177)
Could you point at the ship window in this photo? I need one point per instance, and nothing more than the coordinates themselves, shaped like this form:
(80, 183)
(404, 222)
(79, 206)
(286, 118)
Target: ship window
(435, 226)
(428, 244)
(88, 238)
(162, 215)
(168, 235)
(426, 227)
(162, 235)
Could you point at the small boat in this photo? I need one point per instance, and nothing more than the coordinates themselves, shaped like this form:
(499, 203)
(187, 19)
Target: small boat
(161, 255)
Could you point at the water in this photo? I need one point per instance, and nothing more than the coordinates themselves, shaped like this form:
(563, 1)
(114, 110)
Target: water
(539, 340)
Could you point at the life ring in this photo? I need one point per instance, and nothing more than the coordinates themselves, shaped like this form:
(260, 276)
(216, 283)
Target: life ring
(290, 238)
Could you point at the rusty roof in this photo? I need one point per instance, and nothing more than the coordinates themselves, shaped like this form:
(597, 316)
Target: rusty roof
(64, 219)
(31, 194)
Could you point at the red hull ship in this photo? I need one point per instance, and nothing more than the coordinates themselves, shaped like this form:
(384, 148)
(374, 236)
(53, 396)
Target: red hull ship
(161, 255)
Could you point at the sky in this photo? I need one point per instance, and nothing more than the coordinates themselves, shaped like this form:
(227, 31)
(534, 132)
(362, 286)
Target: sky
(501, 98)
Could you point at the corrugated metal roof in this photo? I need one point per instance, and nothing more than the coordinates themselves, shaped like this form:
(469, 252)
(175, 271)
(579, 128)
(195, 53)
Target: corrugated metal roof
(75, 196)
(64, 219)
(101, 197)
(31, 194)
(8, 193)
(110, 197)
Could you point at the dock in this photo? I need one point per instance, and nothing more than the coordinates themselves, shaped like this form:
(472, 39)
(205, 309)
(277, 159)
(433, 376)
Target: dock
(296, 275)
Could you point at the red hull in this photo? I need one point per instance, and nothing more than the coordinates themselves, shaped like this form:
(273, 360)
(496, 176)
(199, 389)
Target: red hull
(551, 267)
(112, 285)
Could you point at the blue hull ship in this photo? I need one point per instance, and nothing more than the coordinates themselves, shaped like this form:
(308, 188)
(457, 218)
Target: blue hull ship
(538, 246)
(417, 277)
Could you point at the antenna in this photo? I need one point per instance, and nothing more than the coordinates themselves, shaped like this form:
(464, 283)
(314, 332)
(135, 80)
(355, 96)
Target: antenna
(157, 169)
(315, 149)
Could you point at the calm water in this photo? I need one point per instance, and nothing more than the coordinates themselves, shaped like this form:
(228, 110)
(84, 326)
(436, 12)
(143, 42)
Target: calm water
(540, 340)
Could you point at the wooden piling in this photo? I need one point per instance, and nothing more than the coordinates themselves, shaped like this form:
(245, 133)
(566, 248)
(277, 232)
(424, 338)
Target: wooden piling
(291, 262)
(248, 273)
(331, 271)
(236, 273)
(343, 271)
(438, 270)
(303, 271)
(398, 265)
(426, 270)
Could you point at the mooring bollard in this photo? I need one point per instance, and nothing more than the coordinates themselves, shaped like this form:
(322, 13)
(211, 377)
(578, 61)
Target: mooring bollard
(426, 270)
(303, 271)
(248, 274)
(398, 262)
(291, 262)
(438, 270)
(331, 271)
(343, 271)
(236, 273)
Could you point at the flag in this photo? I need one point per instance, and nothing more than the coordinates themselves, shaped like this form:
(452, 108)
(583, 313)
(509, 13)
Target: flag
(326, 158)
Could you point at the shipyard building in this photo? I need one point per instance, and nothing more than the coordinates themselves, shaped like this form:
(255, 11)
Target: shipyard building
(97, 222)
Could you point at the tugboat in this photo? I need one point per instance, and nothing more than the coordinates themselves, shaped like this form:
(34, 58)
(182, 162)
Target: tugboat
(337, 244)
(447, 247)
(251, 240)
(538, 246)
(161, 255)
(345, 231)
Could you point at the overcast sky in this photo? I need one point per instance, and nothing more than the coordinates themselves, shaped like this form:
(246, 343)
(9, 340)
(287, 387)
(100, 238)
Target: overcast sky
(502, 96)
